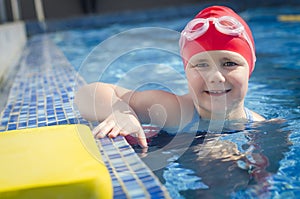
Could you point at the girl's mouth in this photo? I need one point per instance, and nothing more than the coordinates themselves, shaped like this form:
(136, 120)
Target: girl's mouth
(217, 92)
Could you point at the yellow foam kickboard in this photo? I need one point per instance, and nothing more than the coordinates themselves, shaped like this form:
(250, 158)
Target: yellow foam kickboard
(52, 162)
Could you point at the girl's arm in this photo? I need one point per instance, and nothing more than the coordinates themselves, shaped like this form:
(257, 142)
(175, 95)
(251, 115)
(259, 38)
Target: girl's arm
(103, 102)
(97, 101)
(120, 110)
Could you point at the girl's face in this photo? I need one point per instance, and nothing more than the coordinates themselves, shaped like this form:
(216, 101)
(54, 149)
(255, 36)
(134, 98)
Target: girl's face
(218, 83)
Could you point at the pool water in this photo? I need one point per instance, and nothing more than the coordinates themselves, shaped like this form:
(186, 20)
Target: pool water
(257, 161)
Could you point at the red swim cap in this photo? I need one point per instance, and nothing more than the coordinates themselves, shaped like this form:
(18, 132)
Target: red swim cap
(212, 39)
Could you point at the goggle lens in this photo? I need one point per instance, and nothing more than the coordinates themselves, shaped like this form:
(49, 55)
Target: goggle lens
(195, 28)
(229, 25)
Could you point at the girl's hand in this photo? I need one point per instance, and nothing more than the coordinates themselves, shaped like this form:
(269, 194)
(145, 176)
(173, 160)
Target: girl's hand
(121, 123)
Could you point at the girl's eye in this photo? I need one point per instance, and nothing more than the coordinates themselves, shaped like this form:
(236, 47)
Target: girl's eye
(201, 65)
(230, 64)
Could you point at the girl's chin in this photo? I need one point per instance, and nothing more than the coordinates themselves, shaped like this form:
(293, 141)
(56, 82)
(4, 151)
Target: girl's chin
(221, 112)
(220, 107)
(217, 111)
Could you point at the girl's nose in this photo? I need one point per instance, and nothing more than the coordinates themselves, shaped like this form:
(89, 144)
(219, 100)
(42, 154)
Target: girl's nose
(216, 77)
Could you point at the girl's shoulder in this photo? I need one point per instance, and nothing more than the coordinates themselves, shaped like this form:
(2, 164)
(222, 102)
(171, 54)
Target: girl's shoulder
(187, 108)
(187, 103)
(181, 114)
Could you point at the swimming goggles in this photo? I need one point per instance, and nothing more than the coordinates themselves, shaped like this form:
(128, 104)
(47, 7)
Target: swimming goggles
(227, 25)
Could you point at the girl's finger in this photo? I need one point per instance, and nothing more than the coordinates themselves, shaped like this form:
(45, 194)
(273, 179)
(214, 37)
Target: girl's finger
(104, 130)
(124, 132)
(114, 132)
(97, 129)
(142, 139)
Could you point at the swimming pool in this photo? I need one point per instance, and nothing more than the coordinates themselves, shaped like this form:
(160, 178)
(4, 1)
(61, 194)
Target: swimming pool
(274, 92)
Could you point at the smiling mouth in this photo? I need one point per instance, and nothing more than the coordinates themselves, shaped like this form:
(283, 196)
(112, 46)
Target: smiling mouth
(217, 92)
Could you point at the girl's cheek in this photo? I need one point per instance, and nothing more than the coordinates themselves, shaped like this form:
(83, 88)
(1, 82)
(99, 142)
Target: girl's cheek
(196, 81)
(193, 74)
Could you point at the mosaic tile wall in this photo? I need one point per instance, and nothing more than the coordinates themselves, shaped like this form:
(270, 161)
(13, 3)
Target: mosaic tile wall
(42, 95)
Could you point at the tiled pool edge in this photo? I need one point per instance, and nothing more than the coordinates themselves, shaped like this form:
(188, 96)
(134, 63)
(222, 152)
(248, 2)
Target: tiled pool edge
(42, 94)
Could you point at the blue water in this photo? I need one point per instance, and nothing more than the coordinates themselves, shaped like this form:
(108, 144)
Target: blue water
(261, 161)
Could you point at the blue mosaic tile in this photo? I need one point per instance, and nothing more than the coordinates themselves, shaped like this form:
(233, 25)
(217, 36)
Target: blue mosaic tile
(42, 94)
(12, 127)
(62, 122)
(4, 123)
(13, 118)
(31, 122)
(51, 123)
(73, 121)
(42, 124)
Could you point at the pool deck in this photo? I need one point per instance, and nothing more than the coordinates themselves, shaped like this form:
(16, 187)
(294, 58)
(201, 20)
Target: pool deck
(42, 95)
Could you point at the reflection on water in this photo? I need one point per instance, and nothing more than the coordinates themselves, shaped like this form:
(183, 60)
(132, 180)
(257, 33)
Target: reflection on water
(221, 165)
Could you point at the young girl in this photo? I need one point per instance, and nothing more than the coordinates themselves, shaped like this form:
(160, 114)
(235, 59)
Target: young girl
(218, 53)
